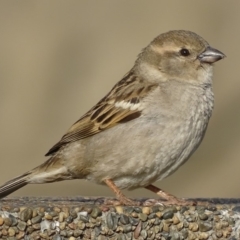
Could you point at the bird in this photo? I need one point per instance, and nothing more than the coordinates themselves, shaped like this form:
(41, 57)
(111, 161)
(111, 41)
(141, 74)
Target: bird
(145, 128)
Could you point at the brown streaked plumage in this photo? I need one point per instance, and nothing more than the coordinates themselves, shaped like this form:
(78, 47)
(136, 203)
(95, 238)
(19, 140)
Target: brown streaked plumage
(145, 128)
(105, 114)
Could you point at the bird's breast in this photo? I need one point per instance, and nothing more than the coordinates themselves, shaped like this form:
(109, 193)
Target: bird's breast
(150, 147)
(182, 127)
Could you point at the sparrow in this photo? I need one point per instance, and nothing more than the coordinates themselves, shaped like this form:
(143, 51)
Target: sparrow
(145, 128)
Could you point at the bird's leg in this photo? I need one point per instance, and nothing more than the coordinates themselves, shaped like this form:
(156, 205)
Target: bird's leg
(121, 197)
(170, 199)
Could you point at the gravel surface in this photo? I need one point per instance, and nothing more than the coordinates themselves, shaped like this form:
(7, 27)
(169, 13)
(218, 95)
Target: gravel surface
(89, 218)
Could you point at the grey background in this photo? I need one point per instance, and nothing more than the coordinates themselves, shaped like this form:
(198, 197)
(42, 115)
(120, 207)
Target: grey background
(58, 58)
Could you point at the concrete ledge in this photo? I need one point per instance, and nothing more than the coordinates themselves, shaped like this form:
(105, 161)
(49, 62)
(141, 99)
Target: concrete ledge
(89, 218)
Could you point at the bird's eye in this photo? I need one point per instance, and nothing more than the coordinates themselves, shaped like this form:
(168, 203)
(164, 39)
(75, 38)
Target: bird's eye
(184, 52)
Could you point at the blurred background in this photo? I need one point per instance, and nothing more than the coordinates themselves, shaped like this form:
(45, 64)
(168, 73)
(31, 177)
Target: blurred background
(58, 58)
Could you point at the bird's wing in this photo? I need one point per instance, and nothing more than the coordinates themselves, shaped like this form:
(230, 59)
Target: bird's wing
(122, 104)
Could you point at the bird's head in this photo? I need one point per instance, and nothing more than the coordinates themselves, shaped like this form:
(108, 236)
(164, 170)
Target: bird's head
(178, 55)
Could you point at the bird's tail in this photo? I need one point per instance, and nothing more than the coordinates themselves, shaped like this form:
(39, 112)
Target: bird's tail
(50, 171)
(13, 185)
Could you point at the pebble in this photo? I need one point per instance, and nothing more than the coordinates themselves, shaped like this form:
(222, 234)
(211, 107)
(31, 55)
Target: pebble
(35, 212)
(184, 233)
(81, 225)
(175, 219)
(156, 221)
(11, 238)
(137, 230)
(111, 220)
(29, 223)
(204, 226)
(193, 227)
(137, 209)
(168, 214)
(124, 219)
(72, 226)
(180, 226)
(84, 218)
(20, 235)
(77, 233)
(36, 226)
(134, 221)
(146, 210)
(14, 220)
(69, 219)
(1, 221)
(61, 217)
(57, 237)
(144, 234)
(203, 235)
(144, 225)
(119, 209)
(63, 233)
(48, 217)
(127, 228)
(21, 225)
(43, 235)
(219, 233)
(96, 212)
(4, 232)
(26, 214)
(203, 216)
(225, 224)
(118, 222)
(175, 236)
(143, 217)
(211, 208)
(121, 237)
(69, 233)
(11, 232)
(88, 209)
(36, 219)
(134, 214)
(155, 208)
(29, 230)
(151, 216)
(8, 221)
(165, 227)
(62, 225)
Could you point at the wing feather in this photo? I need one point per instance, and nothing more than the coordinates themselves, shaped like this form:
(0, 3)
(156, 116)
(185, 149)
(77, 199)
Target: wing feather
(122, 104)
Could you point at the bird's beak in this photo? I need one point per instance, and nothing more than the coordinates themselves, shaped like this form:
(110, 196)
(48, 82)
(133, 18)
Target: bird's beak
(210, 55)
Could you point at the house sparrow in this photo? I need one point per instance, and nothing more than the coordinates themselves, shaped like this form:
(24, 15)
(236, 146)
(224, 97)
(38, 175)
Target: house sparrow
(145, 128)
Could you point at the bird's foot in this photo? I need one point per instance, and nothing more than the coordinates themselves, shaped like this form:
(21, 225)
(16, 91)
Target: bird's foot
(122, 199)
(168, 198)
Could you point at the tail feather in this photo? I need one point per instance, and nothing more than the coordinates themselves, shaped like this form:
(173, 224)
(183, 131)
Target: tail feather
(13, 185)
(50, 171)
